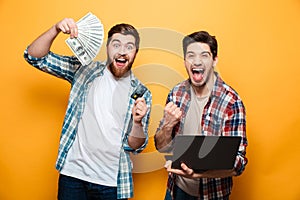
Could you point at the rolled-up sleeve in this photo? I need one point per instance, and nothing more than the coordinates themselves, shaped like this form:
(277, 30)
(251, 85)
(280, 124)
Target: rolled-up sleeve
(60, 66)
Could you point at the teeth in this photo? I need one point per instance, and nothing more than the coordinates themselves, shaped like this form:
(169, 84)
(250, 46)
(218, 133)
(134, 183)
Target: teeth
(121, 60)
(198, 70)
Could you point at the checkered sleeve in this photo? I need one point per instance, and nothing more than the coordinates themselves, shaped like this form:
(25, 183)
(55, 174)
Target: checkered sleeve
(235, 125)
(60, 66)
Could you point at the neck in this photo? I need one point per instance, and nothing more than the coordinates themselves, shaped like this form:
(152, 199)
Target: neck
(205, 89)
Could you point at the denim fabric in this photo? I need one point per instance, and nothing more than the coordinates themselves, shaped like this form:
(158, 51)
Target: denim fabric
(168, 195)
(179, 194)
(70, 188)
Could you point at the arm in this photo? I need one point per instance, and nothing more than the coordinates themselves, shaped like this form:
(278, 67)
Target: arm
(137, 136)
(41, 46)
(235, 125)
(163, 136)
(38, 53)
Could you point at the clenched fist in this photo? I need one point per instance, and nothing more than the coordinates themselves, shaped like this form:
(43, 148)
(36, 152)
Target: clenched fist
(172, 114)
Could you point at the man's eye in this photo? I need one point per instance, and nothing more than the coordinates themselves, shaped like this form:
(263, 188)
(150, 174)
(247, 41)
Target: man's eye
(116, 45)
(205, 55)
(130, 47)
(190, 56)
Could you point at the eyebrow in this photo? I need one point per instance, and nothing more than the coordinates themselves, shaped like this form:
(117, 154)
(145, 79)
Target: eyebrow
(188, 52)
(205, 52)
(117, 40)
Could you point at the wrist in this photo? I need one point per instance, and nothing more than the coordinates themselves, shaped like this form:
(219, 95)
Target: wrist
(137, 130)
(167, 129)
(55, 29)
(137, 123)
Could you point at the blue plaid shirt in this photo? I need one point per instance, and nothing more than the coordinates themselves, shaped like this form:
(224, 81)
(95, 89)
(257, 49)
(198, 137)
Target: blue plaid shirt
(81, 77)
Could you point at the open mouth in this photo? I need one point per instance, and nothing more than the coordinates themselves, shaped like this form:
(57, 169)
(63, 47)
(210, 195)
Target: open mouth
(121, 61)
(197, 71)
(198, 74)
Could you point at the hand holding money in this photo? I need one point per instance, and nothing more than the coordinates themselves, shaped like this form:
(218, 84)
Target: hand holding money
(68, 26)
(86, 37)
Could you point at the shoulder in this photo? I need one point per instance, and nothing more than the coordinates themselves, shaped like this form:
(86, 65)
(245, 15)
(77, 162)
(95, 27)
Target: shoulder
(227, 94)
(181, 87)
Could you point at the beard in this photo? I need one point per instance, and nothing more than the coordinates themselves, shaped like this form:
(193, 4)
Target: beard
(119, 72)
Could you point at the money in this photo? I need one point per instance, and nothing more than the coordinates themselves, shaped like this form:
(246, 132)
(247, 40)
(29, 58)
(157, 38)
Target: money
(90, 39)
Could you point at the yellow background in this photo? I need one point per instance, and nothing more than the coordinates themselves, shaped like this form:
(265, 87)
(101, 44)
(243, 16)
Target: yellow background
(258, 55)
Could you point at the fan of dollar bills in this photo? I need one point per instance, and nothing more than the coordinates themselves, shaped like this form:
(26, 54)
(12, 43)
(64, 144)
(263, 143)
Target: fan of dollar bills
(90, 38)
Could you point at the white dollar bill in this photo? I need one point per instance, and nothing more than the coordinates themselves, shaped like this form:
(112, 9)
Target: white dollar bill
(90, 39)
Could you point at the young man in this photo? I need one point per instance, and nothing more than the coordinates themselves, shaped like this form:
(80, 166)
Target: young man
(203, 104)
(102, 122)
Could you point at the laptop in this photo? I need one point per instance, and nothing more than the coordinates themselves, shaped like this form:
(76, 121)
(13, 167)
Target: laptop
(203, 153)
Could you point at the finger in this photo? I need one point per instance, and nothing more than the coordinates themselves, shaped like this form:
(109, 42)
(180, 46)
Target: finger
(140, 99)
(141, 111)
(170, 109)
(175, 111)
(176, 171)
(187, 170)
(75, 31)
(138, 113)
(168, 106)
(68, 26)
(140, 103)
(72, 28)
(178, 114)
(62, 27)
(65, 25)
(168, 164)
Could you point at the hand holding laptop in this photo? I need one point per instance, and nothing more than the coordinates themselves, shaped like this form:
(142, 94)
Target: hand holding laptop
(189, 173)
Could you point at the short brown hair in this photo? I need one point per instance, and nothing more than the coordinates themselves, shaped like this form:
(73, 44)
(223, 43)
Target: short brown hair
(125, 29)
(203, 37)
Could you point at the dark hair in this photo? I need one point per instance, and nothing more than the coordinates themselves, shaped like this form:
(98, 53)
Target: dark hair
(125, 29)
(203, 37)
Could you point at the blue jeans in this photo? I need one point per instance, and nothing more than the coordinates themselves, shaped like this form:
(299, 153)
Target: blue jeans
(70, 188)
(179, 194)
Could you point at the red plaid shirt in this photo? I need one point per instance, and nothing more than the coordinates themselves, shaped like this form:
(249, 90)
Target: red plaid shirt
(224, 114)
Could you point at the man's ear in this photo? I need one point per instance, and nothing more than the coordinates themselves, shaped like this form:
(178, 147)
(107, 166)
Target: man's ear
(215, 61)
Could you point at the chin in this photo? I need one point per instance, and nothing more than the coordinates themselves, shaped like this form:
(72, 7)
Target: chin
(198, 84)
(119, 72)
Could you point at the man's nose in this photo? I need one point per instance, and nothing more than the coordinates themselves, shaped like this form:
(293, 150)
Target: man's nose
(123, 50)
(197, 62)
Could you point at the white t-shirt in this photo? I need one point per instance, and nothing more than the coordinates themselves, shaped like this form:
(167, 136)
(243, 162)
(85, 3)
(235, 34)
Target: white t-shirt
(94, 155)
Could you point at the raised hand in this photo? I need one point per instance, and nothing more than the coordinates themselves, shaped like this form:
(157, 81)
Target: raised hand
(139, 110)
(68, 26)
(172, 114)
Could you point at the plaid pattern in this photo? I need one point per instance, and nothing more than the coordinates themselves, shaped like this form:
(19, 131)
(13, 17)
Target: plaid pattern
(81, 77)
(224, 114)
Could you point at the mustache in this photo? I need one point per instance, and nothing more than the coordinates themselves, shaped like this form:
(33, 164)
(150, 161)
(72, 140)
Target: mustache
(118, 57)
